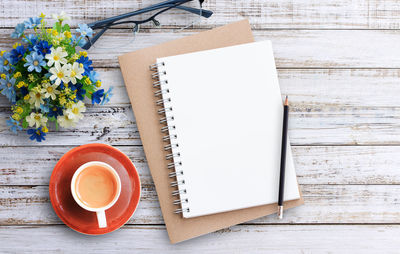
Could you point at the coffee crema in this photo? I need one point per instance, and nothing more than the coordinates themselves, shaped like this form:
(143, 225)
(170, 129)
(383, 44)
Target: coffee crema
(96, 186)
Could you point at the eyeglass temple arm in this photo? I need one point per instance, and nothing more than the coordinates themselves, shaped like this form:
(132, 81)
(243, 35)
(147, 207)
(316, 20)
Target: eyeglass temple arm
(90, 42)
(168, 3)
(201, 12)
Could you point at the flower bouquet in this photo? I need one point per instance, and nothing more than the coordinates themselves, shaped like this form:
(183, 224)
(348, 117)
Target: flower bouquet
(46, 79)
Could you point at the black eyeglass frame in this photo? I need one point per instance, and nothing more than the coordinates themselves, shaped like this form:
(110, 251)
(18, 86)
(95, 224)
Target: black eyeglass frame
(105, 24)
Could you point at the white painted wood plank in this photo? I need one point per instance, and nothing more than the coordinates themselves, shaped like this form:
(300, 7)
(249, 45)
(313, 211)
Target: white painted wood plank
(292, 48)
(112, 125)
(237, 239)
(372, 14)
(329, 106)
(332, 125)
(323, 204)
(314, 165)
(306, 87)
(38, 163)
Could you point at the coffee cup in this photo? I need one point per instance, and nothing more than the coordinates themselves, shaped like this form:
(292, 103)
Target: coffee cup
(96, 187)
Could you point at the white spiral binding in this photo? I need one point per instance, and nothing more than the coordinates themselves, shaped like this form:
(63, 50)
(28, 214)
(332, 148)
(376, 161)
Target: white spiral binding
(165, 111)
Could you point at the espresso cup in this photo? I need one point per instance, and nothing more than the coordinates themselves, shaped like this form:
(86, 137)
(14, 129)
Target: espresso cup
(96, 187)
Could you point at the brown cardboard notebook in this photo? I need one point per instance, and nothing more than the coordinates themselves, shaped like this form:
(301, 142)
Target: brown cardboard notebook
(137, 77)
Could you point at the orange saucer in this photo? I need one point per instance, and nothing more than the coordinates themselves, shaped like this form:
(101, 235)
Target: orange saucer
(70, 212)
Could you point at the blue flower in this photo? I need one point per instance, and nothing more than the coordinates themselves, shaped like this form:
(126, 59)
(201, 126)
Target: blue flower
(37, 134)
(80, 41)
(45, 108)
(32, 22)
(24, 91)
(96, 96)
(43, 48)
(86, 65)
(5, 62)
(17, 54)
(62, 86)
(48, 75)
(55, 111)
(85, 30)
(34, 61)
(7, 87)
(14, 125)
(107, 95)
(94, 76)
(19, 31)
(31, 40)
(80, 93)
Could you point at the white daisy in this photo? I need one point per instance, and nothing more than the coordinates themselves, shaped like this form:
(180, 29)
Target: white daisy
(60, 73)
(61, 17)
(75, 112)
(57, 55)
(36, 97)
(65, 122)
(36, 119)
(76, 71)
(50, 90)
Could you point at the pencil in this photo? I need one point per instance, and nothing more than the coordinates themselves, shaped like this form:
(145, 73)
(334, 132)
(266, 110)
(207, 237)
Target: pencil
(283, 158)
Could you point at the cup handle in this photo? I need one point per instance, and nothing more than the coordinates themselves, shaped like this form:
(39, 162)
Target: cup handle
(101, 219)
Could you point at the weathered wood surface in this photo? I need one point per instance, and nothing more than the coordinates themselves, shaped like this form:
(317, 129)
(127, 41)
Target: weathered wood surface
(360, 204)
(292, 48)
(331, 179)
(325, 165)
(306, 87)
(329, 106)
(237, 239)
(355, 14)
(308, 126)
(339, 63)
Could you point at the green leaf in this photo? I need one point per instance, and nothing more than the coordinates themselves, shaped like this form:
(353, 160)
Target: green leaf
(27, 110)
(57, 27)
(31, 85)
(24, 124)
(66, 28)
(70, 50)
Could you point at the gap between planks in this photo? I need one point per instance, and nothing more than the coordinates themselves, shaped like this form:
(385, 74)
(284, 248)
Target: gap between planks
(127, 225)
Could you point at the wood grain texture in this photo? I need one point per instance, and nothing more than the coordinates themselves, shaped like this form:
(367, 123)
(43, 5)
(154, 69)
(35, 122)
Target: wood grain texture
(113, 125)
(314, 164)
(361, 204)
(329, 107)
(339, 63)
(237, 239)
(292, 48)
(324, 173)
(308, 126)
(372, 88)
(354, 14)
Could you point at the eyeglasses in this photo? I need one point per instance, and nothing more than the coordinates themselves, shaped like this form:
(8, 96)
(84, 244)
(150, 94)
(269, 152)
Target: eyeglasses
(153, 13)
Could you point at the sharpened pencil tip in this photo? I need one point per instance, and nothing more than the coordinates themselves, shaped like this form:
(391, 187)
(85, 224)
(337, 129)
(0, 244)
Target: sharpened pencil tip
(286, 101)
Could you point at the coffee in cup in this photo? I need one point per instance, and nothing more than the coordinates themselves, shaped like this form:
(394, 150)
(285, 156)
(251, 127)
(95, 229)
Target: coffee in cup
(96, 187)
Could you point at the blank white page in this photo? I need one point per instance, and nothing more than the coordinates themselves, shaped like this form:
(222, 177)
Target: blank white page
(227, 111)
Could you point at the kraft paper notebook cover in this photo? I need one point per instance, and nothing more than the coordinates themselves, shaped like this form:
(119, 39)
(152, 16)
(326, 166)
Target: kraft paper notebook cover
(137, 77)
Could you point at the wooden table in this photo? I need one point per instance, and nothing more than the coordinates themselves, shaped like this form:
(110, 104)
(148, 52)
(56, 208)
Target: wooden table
(339, 62)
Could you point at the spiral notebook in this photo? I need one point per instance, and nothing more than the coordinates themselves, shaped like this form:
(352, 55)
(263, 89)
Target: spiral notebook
(222, 115)
(138, 82)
